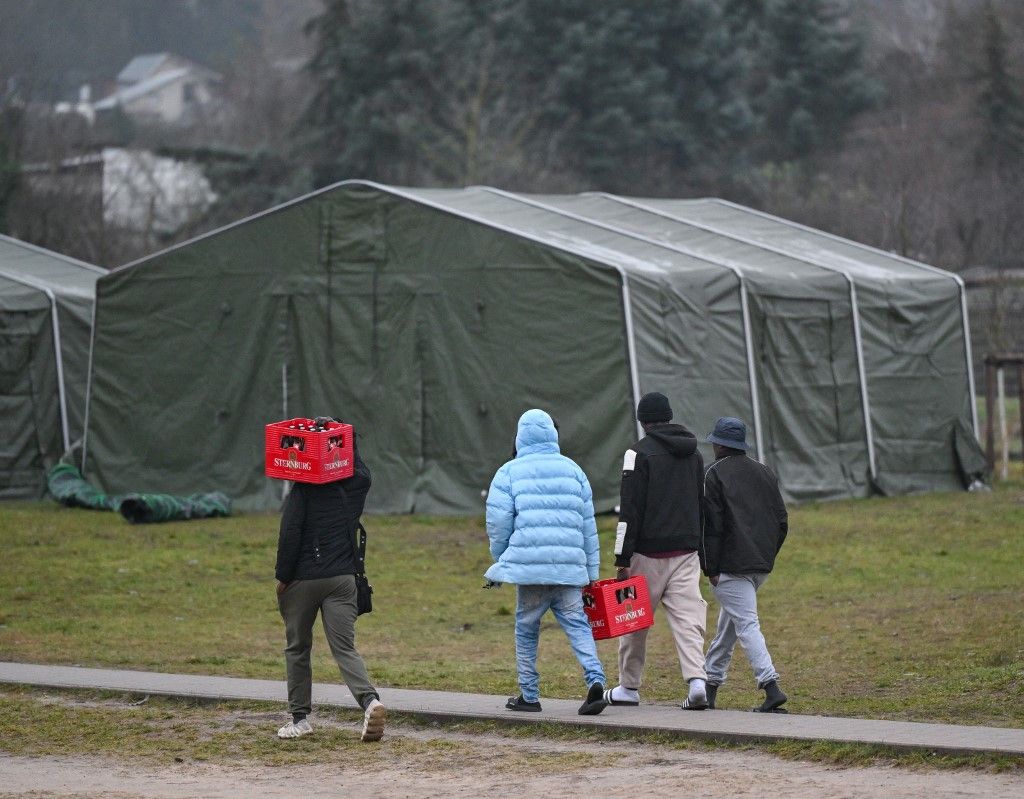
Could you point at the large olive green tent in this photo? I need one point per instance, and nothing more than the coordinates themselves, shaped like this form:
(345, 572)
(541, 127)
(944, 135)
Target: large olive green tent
(432, 318)
(46, 304)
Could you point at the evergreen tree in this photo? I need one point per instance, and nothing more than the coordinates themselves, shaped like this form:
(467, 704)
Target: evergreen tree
(656, 88)
(10, 123)
(462, 91)
(814, 82)
(421, 92)
(999, 102)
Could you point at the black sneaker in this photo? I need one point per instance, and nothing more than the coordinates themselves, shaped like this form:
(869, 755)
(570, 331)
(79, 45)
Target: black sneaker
(595, 701)
(712, 691)
(518, 703)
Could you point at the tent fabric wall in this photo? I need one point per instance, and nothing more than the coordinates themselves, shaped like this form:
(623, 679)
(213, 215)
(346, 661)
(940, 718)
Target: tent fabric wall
(801, 347)
(914, 342)
(430, 333)
(45, 299)
(431, 318)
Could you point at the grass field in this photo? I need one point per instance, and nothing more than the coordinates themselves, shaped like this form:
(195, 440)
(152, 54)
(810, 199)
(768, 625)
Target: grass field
(905, 608)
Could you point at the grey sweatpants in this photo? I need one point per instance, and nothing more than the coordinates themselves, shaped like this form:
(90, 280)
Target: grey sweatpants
(335, 599)
(738, 621)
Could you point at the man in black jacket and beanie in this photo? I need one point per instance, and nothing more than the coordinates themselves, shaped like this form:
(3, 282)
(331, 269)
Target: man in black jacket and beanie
(658, 535)
(745, 526)
(316, 564)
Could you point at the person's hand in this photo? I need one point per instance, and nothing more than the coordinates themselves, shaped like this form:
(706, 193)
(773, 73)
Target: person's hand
(622, 573)
(713, 579)
(282, 587)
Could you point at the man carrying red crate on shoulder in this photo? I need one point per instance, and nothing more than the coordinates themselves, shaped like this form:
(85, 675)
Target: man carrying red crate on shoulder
(658, 535)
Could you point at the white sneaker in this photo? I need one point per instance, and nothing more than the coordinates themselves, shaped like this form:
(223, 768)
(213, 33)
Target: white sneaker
(373, 721)
(293, 730)
(698, 696)
(622, 696)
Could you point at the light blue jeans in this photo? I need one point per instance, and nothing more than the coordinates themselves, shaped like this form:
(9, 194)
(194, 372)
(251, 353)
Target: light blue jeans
(737, 621)
(566, 602)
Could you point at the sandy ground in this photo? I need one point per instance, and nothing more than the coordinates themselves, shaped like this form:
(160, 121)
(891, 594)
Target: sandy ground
(654, 771)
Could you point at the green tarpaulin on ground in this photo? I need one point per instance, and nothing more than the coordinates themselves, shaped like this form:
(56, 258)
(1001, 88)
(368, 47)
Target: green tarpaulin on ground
(67, 486)
(431, 319)
(46, 304)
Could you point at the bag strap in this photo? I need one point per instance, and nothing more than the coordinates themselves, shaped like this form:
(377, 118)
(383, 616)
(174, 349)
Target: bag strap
(361, 549)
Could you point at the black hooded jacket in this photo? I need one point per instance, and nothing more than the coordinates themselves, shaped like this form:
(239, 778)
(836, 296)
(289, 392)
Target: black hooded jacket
(662, 495)
(318, 525)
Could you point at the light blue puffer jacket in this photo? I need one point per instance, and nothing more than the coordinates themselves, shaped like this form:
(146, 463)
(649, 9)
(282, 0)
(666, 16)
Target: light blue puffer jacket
(540, 513)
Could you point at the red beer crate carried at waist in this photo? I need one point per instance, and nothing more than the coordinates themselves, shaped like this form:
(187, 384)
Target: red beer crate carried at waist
(618, 607)
(307, 452)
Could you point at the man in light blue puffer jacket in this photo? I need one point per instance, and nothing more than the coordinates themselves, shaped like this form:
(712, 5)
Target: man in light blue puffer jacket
(540, 521)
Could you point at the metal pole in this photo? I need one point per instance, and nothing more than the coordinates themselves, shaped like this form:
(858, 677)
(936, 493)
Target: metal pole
(990, 411)
(970, 357)
(284, 411)
(1003, 434)
(1020, 403)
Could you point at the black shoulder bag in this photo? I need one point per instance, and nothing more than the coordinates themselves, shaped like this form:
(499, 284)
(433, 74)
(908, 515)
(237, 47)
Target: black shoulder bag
(364, 591)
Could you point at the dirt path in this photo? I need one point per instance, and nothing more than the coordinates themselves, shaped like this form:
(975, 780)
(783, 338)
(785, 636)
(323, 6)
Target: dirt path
(498, 766)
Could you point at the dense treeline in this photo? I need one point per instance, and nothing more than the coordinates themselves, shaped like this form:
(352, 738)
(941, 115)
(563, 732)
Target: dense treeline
(895, 122)
(663, 96)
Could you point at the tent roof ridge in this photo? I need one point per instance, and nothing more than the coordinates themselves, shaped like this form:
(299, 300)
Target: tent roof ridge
(720, 263)
(943, 273)
(758, 245)
(53, 254)
(396, 191)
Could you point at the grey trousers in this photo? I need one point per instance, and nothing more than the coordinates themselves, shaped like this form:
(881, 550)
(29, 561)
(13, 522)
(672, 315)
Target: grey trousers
(738, 621)
(335, 599)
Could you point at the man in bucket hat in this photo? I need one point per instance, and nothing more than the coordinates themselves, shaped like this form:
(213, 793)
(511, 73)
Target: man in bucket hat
(744, 529)
(657, 536)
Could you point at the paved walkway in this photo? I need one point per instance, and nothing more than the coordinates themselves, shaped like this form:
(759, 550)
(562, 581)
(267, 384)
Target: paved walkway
(723, 725)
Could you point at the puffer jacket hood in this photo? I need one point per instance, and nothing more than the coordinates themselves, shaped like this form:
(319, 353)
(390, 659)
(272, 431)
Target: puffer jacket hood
(536, 433)
(679, 441)
(540, 513)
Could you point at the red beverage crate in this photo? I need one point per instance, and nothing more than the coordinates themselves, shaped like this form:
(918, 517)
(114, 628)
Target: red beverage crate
(618, 607)
(308, 456)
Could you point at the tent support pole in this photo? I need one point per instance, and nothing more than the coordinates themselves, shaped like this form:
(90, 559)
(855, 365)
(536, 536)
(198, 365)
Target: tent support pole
(755, 400)
(62, 399)
(634, 376)
(88, 382)
(865, 403)
(970, 358)
(284, 411)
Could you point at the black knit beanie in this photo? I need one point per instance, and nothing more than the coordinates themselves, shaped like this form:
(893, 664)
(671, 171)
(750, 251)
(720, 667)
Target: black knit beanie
(653, 408)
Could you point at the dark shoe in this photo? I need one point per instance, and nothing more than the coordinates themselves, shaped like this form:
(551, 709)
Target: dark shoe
(595, 701)
(518, 703)
(712, 691)
(773, 698)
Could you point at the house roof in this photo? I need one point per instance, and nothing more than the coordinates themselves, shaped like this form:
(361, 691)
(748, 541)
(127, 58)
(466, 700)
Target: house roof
(141, 89)
(141, 67)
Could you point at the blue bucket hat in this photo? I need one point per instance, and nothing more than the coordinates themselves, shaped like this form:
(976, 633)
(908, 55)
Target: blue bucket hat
(729, 432)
